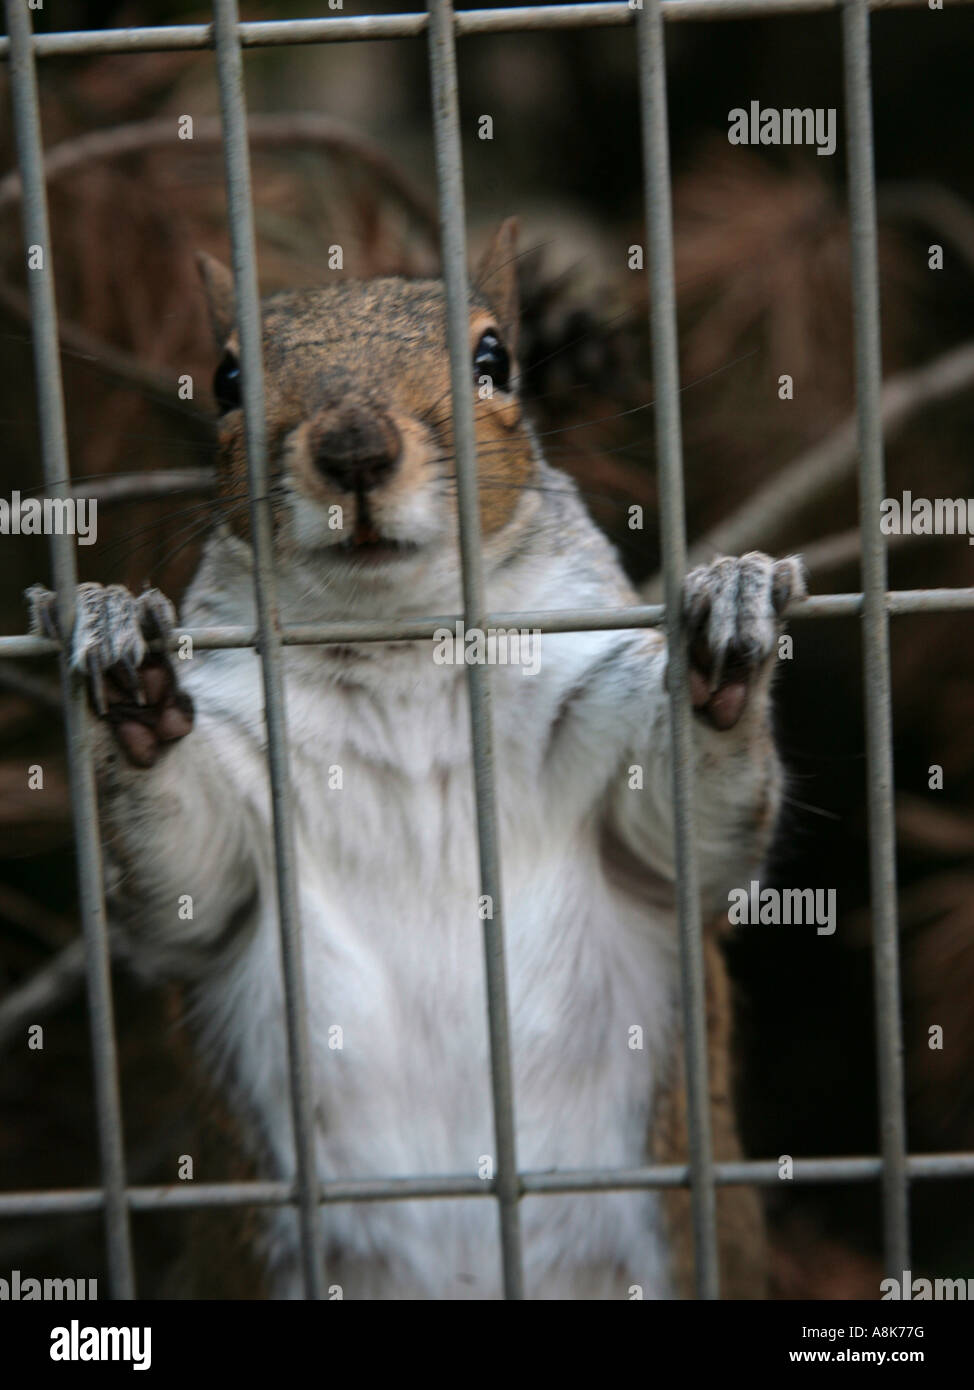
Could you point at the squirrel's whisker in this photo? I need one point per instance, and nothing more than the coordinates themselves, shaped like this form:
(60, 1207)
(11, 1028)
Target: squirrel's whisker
(216, 508)
(156, 395)
(631, 410)
(518, 380)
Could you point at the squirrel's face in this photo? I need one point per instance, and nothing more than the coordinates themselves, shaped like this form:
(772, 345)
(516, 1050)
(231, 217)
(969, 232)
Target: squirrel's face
(360, 434)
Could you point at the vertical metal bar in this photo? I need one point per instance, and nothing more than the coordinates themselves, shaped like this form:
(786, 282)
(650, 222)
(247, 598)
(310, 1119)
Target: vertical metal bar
(240, 206)
(84, 801)
(875, 634)
(449, 169)
(669, 448)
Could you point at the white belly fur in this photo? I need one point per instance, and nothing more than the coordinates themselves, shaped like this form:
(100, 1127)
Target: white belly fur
(387, 868)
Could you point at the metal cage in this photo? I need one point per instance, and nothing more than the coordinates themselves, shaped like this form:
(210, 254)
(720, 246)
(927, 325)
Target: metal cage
(893, 1167)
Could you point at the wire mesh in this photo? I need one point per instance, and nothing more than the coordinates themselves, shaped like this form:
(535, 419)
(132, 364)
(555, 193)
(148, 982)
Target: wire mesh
(894, 1167)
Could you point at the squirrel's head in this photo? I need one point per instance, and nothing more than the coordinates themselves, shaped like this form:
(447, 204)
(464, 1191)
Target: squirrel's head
(359, 420)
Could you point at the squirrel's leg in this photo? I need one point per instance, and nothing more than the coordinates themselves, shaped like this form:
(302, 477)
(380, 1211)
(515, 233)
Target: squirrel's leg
(733, 613)
(176, 833)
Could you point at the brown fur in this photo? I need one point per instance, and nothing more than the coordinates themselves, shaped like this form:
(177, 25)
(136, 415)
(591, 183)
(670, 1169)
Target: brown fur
(496, 280)
(220, 1253)
(375, 348)
(740, 1216)
(218, 285)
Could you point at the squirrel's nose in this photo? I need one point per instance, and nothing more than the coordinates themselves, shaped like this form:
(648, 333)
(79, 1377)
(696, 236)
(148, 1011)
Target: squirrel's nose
(356, 449)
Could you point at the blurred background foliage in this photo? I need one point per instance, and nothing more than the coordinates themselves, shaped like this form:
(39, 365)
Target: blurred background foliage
(342, 153)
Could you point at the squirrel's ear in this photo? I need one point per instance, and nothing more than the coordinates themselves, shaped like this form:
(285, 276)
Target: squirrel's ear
(497, 278)
(218, 285)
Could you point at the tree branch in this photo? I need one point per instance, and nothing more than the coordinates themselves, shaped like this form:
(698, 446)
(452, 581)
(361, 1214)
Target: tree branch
(289, 130)
(758, 523)
(53, 985)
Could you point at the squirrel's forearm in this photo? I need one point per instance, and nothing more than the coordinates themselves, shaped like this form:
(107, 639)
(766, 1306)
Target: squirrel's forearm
(736, 794)
(179, 855)
(611, 740)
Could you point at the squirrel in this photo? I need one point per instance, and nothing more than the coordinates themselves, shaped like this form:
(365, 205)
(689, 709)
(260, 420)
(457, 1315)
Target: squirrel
(359, 420)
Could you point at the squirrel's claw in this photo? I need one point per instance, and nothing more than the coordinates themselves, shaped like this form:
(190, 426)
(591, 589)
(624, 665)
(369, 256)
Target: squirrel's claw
(134, 689)
(43, 614)
(732, 610)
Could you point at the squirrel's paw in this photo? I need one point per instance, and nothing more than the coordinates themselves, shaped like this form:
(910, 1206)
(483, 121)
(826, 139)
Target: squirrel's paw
(733, 613)
(132, 689)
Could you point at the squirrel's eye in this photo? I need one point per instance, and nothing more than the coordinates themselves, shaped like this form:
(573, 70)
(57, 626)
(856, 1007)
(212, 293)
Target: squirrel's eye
(226, 383)
(491, 359)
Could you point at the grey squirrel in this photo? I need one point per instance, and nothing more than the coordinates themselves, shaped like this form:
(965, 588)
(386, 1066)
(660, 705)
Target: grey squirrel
(359, 429)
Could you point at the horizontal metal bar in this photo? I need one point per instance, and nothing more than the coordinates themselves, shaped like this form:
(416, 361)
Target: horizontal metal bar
(746, 1173)
(898, 602)
(513, 19)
